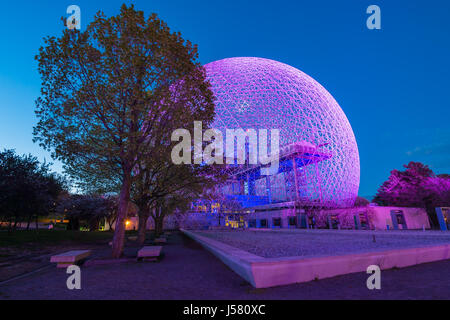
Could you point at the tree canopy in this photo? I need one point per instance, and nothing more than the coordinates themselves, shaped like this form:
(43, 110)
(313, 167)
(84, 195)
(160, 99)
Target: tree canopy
(113, 94)
(27, 188)
(416, 186)
(90, 209)
(361, 202)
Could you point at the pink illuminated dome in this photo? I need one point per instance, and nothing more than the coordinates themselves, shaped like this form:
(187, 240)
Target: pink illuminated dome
(260, 93)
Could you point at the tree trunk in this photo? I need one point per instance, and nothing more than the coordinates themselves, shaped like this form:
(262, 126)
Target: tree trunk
(159, 223)
(10, 225)
(119, 232)
(143, 217)
(29, 221)
(157, 228)
(110, 224)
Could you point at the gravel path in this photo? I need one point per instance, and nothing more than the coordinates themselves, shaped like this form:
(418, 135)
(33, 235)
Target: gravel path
(189, 272)
(317, 243)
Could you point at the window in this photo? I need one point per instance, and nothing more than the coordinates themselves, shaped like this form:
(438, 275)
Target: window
(263, 223)
(363, 220)
(276, 222)
(252, 223)
(292, 221)
(334, 220)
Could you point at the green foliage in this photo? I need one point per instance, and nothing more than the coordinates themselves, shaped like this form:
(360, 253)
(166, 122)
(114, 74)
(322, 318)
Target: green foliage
(112, 95)
(52, 237)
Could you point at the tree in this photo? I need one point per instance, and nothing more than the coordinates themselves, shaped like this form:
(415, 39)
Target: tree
(109, 91)
(178, 202)
(164, 187)
(27, 188)
(361, 202)
(416, 186)
(403, 188)
(90, 209)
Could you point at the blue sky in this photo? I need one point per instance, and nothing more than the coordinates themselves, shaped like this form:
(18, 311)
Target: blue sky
(393, 84)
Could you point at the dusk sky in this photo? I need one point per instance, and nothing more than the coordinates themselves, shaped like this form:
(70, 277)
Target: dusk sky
(393, 84)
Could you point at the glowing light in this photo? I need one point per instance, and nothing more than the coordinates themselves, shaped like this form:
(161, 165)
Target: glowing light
(265, 94)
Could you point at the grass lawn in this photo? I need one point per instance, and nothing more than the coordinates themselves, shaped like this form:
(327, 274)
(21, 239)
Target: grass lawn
(51, 237)
(26, 250)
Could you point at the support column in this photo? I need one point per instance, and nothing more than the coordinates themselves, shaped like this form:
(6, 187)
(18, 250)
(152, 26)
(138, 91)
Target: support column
(357, 219)
(285, 222)
(441, 215)
(294, 166)
(319, 180)
(269, 193)
(251, 184)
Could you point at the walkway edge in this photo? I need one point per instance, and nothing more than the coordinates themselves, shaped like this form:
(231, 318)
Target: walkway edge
(238, 260)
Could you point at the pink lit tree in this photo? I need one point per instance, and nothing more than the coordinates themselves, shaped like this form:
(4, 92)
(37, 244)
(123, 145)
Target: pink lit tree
(416, 186)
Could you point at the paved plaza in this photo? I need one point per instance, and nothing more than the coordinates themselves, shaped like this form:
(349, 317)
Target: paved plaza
(187, 271)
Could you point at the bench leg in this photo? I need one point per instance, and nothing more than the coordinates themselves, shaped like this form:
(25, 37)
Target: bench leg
(64, 264)
(148, 259)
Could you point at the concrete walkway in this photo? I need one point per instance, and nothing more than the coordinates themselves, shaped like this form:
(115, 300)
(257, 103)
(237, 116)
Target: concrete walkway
(189, 272)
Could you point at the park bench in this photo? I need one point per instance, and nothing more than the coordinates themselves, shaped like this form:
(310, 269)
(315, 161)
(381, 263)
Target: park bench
(66, 259)
(160, 240)
(149, 253)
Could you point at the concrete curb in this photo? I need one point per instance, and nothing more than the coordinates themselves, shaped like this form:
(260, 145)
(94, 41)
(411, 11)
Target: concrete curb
(269, 272)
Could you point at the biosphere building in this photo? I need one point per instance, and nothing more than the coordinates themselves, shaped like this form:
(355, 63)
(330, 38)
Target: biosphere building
(318, 155)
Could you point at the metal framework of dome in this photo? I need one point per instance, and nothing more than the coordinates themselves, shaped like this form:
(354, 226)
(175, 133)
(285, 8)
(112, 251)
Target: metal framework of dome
(319, 160)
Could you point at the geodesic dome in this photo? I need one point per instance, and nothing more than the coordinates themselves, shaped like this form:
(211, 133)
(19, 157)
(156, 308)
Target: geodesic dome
(259, 93)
